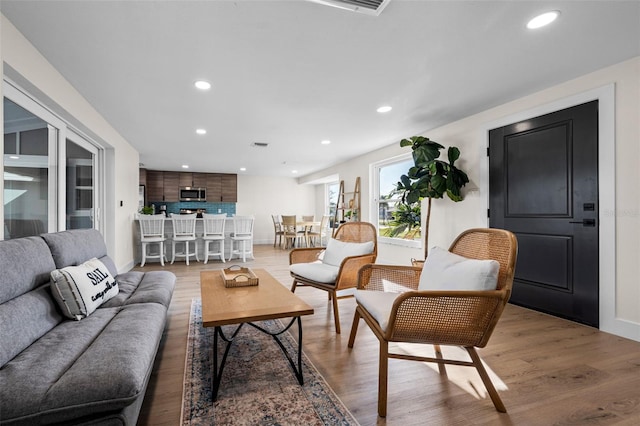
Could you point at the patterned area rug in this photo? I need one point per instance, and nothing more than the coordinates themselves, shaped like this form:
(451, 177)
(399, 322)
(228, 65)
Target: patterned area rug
(258, 386)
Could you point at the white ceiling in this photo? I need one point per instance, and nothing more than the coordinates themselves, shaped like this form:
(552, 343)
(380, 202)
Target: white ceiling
(293, 73)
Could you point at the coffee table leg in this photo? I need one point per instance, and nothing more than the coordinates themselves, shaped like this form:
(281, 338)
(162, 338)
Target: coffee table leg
(296, 371)
(217, 371)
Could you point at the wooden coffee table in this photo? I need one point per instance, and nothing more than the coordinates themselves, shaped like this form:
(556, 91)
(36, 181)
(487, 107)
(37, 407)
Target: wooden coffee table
(246, 305)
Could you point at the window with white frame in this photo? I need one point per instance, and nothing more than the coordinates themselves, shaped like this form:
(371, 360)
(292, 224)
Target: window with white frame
(50, 180)
(332, 189)
(396, 222)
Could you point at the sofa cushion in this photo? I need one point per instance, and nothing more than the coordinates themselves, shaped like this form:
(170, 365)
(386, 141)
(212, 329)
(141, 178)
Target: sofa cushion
(143, 287)
(24, 320)
(316, 271)
(101, 364)
(337, 251)
(27, 310)
(79, 290)
(76, 246)
(25, 264)
(444, 270)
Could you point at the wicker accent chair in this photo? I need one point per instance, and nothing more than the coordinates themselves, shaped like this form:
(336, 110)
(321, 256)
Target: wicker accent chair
(455, 317)
(347, 272)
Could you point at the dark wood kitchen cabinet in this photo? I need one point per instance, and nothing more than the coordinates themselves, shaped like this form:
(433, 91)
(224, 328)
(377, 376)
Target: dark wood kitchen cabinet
(165, 186)
(142, 177)
(171, 187)
(185, 179)
(214, 187)
(193, 180)
(199, 180)
(155, 186)
(229, 188)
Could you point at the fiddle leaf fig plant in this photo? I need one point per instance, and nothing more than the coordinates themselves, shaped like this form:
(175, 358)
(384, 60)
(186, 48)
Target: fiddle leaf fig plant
(430, 177)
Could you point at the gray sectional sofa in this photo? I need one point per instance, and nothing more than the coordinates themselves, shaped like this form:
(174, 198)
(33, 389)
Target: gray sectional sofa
(55, 370)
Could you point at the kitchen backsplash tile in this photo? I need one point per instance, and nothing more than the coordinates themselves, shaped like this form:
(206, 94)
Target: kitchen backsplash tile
(228, 208)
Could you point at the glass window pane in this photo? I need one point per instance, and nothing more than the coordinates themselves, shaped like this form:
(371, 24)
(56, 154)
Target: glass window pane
(395, 220)
(80, 187)
(26, 174)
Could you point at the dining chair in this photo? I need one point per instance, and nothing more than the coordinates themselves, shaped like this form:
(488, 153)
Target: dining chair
(354, 245)
(152, 233)
(317, 235)
(213, 225)
(456, 299)
(184, 231)
(290, 233)
(277, 229)
(242, 237)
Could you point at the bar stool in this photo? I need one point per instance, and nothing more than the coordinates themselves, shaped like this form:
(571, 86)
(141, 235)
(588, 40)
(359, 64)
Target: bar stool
(213, 233)
(152, 232)
(184, 231)
(242, 233)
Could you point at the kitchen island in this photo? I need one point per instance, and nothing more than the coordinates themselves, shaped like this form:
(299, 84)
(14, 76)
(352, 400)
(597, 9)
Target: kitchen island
(168, 232)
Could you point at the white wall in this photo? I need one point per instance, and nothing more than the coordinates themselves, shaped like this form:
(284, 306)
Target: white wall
(263, 196)
(28, 68)
(469, 134)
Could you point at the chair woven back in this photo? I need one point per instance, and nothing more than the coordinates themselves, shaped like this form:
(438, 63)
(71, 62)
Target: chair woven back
(493, 244)
(358, 232)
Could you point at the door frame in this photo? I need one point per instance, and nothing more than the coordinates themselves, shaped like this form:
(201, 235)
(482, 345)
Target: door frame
(605, 96)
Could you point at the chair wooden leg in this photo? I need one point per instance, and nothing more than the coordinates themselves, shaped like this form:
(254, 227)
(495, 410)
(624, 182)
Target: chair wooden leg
(441, 366)
(354, 328)
(294, 286)
(336, 315)
(382, 378)
(493, 393)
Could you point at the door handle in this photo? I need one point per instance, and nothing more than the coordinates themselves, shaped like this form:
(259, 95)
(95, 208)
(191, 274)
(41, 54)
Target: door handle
(585, 222)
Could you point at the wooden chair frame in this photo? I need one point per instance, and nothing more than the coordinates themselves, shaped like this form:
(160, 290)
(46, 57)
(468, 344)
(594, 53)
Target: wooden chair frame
(457, 318)
(353, 232)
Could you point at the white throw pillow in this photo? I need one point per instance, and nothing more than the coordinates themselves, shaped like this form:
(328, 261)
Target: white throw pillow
(79, 290)
(337, 250)
(444, 270)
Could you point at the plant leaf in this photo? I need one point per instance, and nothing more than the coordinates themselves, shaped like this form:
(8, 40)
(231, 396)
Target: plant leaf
(453, 154)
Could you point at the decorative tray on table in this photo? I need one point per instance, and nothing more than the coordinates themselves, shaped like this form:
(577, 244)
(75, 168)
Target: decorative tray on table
(237, 276)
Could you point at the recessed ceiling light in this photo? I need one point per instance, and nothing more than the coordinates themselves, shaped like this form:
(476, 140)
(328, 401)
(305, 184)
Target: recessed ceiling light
(542, 20)
(325, 142)
(385, 108)
(243, 169)
(185, 166)
(201, 131)
(202, 85)
(294, 171)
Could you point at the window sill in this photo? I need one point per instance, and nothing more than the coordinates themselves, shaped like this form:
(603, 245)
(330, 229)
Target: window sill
(400, 242)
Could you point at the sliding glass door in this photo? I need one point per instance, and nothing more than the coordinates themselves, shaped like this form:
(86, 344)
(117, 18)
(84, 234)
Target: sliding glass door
(29, 184)
(51, 171)
(81, 176)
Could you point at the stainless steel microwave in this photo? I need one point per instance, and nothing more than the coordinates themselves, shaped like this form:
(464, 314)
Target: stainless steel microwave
(189, 193)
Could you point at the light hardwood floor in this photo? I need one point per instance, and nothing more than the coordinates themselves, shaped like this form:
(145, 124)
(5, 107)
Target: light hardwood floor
(548, 371)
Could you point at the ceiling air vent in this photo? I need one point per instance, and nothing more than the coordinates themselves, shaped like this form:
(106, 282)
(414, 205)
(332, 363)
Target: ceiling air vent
(370, 7)
(260, 144)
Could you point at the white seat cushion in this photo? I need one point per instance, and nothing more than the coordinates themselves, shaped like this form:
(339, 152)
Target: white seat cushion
(316, 271)
(378, 304)
(337, 250)
(444, 270)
